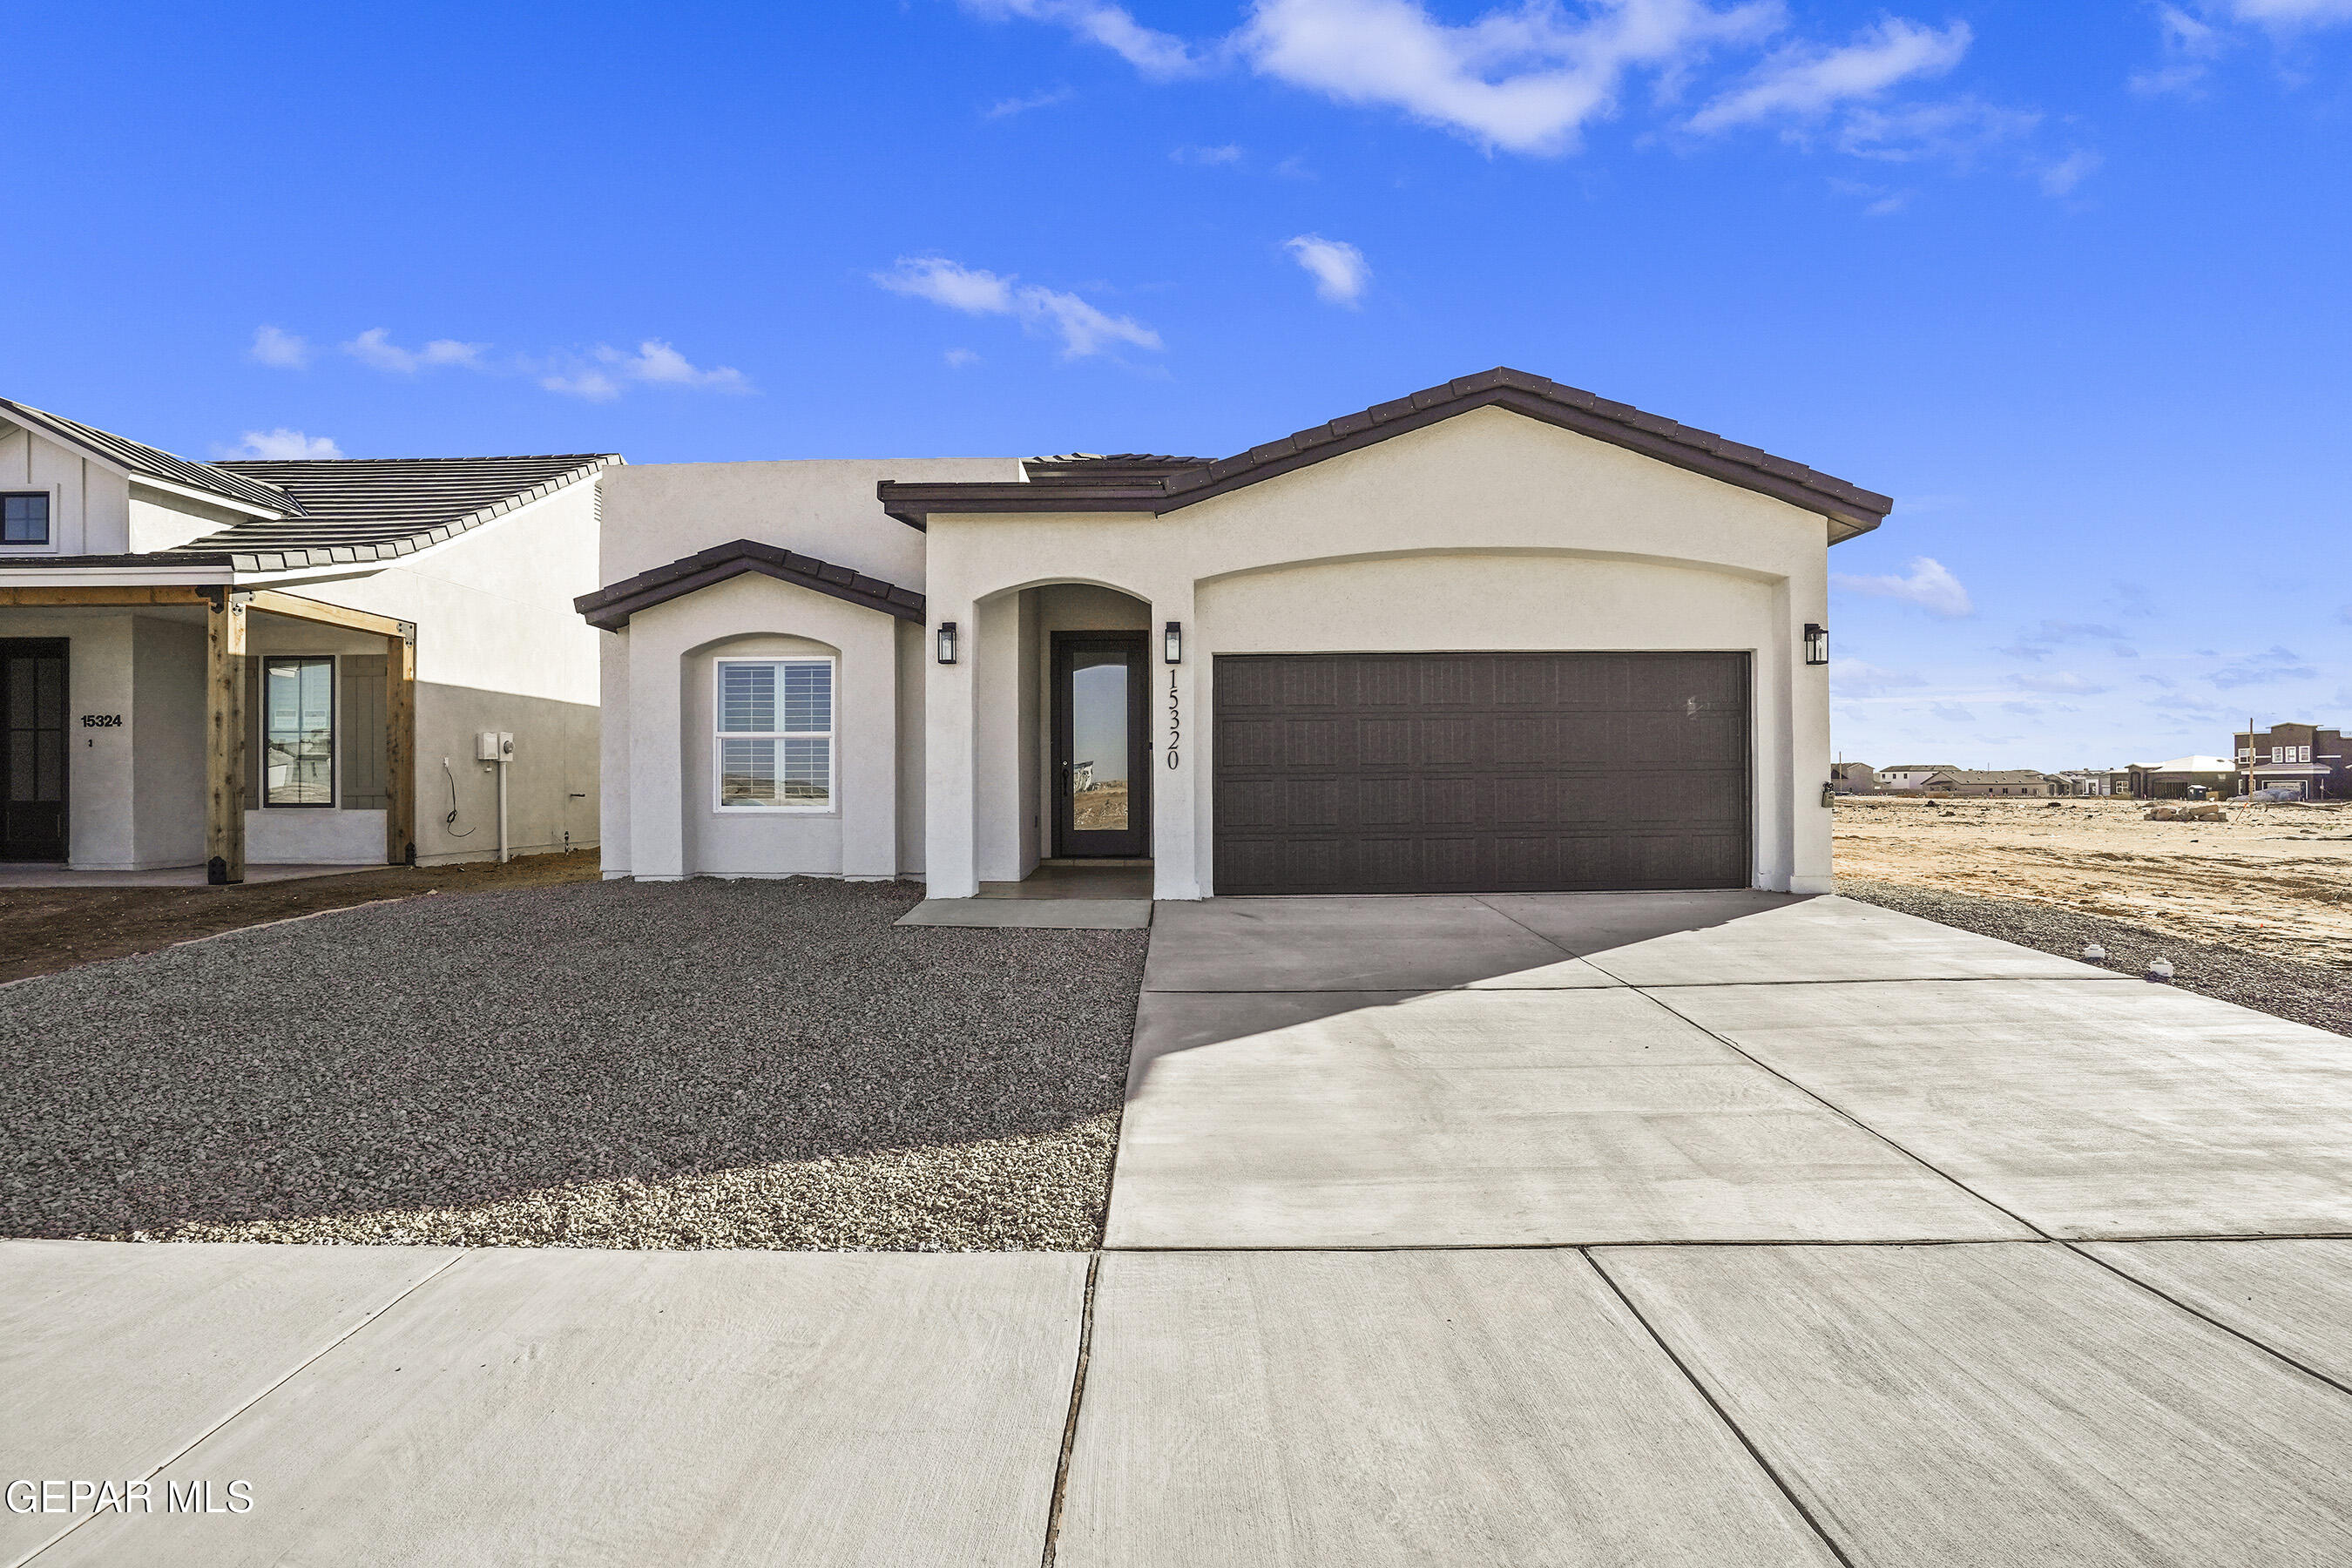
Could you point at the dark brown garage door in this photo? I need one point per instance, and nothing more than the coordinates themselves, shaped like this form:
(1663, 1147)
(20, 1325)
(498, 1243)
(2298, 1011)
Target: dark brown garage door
(1430, 772)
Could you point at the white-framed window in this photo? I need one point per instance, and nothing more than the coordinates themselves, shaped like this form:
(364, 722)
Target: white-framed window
(25, 518)
(774, 740)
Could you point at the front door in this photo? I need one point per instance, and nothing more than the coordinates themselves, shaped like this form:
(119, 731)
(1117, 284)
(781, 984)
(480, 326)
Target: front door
(31, 748)
(1102, 775)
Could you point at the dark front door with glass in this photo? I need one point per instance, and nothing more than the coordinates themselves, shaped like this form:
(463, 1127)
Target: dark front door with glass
(1102, 772)
(31, 748)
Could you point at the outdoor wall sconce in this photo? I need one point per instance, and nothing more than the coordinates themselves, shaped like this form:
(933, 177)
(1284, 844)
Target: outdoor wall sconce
(1172, 642)
(947, 642)
(1817, 644)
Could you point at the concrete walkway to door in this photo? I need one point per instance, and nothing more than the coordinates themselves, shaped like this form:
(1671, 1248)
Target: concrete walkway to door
(1714, 1230)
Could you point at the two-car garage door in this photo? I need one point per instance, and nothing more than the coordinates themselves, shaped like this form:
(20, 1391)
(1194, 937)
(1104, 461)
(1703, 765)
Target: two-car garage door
(1427, 773)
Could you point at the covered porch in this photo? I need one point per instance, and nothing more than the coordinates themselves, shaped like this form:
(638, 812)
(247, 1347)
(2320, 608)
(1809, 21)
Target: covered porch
(199, 730)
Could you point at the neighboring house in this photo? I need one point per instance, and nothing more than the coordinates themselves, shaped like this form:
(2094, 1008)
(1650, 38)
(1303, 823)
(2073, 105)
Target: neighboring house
(221, 663)
(1499, 634)
(1917, 778)
(2302, 757)
(2176, 779)
(1854, 778)
(2094, 782)
(2001, 782)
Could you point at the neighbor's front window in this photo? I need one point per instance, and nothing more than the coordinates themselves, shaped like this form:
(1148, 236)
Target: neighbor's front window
(775, 734)
(25, 520)
(298, 731)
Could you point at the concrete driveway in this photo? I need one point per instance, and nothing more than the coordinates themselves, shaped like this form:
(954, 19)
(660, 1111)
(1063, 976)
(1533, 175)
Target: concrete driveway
(1641, 1229)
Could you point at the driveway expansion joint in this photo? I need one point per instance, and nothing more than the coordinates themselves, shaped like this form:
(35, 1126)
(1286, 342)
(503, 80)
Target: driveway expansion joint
(1691, 1377)
(271, 1387)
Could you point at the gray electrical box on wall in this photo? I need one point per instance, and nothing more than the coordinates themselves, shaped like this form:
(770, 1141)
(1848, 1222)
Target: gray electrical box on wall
(493, 746)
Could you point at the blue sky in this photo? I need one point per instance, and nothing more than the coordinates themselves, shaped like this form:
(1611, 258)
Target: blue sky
(2068, 280)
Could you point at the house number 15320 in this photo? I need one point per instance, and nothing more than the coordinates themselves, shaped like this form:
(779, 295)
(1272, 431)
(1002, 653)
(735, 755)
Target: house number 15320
(1175, 720)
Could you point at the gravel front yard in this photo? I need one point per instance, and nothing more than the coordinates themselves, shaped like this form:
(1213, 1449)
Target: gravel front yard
(2285, 988)
(667, 1065)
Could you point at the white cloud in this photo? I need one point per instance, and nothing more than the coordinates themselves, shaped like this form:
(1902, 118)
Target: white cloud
(1928, 585)
(2061, 178)
(1003, 108)
(589, 383)
(1955, 129)
(2062, 683)
(1153, 53)
(2261, 668)
(605, 372)
(1207, 157)
(2283, 14)
(1805, 81)
(376, 349)
(282, 350)
(1953, 713)
(1525, 80)
(960, 359)
(1338, 269)
(1858, 677)
(1084, 329)
(281, 445)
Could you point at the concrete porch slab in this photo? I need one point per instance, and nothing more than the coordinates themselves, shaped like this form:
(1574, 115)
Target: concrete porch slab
(704, 1407)
(1748, 939)
(2294, 1297)
(1347, 944)
(1993, 1405)
(2095, 1111)
(1399, 1409)
(116, 1356)
(1032, 914)
(1489, 1117)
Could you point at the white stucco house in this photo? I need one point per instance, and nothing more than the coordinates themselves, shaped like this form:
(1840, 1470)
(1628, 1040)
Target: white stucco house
(211, 664)
(1498, 635)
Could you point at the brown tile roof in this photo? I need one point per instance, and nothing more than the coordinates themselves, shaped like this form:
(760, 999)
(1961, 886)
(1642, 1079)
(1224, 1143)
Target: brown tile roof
(609, 609)
(1133, 483)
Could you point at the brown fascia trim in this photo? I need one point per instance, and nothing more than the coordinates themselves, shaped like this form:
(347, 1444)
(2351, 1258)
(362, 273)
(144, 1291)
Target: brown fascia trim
(609, 609)
(1855, 510)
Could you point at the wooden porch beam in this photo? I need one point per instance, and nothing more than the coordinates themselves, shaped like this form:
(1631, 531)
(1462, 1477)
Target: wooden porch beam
(161, 593)
(301, 609)
(225, 761)
(400, 746)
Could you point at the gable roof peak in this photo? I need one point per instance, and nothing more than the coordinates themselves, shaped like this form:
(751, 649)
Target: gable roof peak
(1134, 483)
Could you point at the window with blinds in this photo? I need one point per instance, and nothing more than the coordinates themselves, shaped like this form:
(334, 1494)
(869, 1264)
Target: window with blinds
(775, 734)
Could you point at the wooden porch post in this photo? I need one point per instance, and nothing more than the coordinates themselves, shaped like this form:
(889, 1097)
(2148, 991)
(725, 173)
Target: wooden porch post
(225, 764)
(400, 746)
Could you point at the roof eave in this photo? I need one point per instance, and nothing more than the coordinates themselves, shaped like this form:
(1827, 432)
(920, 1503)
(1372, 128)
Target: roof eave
(1849, 509)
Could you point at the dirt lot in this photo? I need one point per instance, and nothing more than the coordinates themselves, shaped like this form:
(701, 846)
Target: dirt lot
(43, 929)
(2274, 879)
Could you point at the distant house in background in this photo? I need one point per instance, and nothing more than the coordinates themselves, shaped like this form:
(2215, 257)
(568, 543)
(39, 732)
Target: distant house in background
(1999, 782)
(2295, 756)
(1915, 778)
(204, 664)
(1854, 778)
(2176, 779)
(2094, 782)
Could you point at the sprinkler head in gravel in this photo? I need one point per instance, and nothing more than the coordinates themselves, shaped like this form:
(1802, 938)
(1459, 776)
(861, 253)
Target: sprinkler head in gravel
(2161, 971)
(2092, 953)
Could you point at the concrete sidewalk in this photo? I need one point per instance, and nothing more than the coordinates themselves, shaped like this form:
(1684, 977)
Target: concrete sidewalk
(1682, 1229)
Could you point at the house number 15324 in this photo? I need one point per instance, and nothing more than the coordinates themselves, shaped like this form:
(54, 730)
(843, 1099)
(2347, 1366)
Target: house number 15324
(1175, 720)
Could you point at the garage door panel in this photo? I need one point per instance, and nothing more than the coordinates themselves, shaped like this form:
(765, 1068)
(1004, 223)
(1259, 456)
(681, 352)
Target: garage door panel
(1447, 772)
